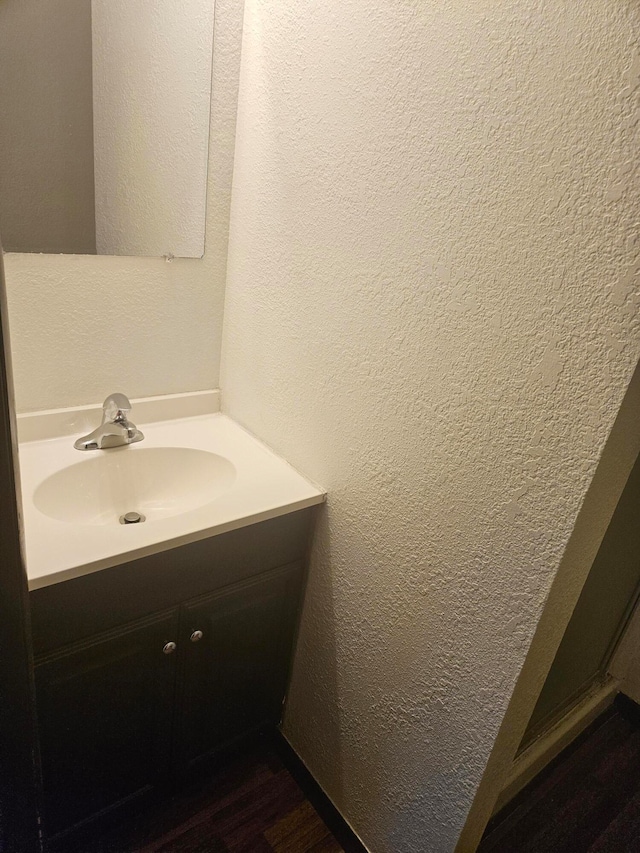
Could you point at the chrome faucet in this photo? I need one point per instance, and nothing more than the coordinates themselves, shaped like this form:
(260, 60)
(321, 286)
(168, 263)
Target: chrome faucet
(115, 430)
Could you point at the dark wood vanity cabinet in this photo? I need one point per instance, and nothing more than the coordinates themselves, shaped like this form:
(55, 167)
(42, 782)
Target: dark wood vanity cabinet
(136, 705)
(235, 663)
(105, 710)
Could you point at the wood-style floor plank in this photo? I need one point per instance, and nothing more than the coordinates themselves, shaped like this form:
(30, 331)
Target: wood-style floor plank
(623, 834)
(252, 814)
(587, 802)
(299, 830)
(251, 804)
(191, 809)
(327, 845)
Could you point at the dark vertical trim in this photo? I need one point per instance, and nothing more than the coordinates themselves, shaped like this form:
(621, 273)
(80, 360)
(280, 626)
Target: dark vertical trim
(19, 771)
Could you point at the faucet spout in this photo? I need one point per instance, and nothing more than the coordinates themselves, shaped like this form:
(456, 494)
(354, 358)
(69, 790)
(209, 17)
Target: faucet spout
(115, 430)
(115, 408)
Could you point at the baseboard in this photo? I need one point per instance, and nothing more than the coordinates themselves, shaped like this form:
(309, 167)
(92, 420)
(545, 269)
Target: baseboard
(344, 833)
(535, 758)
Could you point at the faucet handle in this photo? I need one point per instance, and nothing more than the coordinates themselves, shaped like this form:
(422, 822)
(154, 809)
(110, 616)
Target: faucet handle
(116, 407)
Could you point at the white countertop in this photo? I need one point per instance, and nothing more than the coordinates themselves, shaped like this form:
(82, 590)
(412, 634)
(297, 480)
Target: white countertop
(265, 486)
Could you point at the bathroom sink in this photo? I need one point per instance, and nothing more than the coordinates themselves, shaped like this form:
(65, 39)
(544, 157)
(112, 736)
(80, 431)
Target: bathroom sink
(191, 477)
(154, 482)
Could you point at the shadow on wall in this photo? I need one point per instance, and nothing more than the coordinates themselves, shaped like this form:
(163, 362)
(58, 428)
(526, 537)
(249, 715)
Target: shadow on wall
(326, 714)
(424, 819)
(329, 716)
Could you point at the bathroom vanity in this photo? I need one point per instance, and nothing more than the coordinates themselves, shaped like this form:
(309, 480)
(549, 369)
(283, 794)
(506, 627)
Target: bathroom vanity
(144, 669)
(148, 666)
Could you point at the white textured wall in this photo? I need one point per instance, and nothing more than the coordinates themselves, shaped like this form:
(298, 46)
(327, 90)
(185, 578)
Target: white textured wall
(83, 326)
(432, 310)
(151, 97)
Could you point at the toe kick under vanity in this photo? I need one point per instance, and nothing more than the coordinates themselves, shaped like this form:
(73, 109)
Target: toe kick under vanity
(156, 644)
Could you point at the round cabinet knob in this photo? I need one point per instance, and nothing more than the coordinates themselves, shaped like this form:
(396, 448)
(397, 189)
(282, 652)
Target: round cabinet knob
(169, 648)
(196, 636)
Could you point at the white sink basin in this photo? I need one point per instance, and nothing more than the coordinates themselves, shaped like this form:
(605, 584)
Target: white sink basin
(156, 482)
(191, 477)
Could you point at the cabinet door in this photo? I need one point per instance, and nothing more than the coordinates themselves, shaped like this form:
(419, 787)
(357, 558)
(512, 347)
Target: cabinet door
(105, 716)
(236, 648)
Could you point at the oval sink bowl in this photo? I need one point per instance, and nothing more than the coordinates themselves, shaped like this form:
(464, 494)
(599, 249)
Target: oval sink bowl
(157, 482)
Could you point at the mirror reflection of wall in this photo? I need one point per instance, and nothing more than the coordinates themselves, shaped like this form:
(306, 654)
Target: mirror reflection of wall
(104, 125)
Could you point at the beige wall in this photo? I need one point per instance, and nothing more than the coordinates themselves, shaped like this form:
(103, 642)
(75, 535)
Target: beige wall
(84, 326)
(432, 310)
(46, 126)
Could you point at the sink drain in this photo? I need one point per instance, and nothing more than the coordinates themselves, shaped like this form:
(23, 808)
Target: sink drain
(131, 518)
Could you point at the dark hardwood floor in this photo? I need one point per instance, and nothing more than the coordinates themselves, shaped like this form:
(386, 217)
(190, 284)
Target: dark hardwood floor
(261, 800)
(251, 804)
(586, 801)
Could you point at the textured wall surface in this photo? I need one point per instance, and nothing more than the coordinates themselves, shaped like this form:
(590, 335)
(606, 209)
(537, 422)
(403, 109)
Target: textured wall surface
(46, 127)
(151, 97)
(84, 326)
(432, 310)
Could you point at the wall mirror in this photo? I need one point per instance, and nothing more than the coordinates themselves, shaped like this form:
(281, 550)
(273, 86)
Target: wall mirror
(104, 125)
